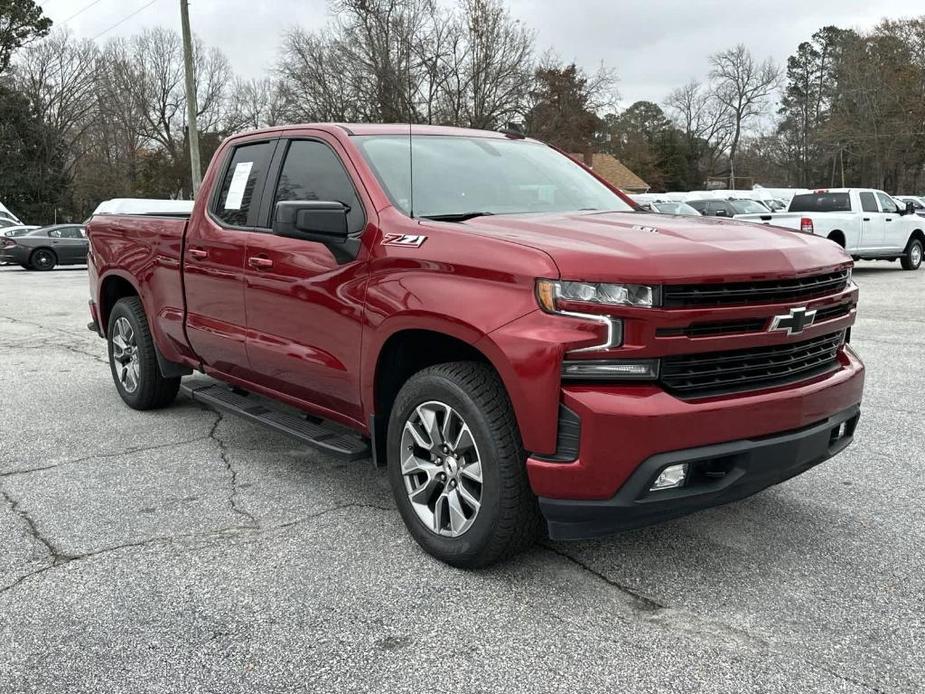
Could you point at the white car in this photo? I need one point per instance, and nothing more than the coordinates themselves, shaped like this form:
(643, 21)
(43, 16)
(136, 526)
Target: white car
(867, 223)
(918, 202)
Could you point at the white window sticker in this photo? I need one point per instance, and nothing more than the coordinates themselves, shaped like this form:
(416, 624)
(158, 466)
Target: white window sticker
(238, 183)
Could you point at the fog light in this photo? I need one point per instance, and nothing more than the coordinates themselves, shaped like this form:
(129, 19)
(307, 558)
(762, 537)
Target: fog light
(671, 477)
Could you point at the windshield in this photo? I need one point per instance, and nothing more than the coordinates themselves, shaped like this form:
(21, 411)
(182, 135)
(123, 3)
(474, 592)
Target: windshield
(481, 175)
(748, 207)
(675, 208)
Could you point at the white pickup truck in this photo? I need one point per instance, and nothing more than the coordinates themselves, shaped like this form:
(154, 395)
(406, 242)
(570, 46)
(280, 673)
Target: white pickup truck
(865, 222)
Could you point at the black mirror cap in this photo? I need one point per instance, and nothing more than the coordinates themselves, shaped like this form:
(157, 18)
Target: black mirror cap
(311, 220)
(910, 207)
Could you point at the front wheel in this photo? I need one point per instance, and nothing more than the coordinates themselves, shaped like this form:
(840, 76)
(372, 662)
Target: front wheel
(912, 259)
(457, 466)
(133, 359)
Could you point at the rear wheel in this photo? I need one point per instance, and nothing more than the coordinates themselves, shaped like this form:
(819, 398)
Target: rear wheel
(43, 259)
(456, 466)
(912, 259)
(133, 359)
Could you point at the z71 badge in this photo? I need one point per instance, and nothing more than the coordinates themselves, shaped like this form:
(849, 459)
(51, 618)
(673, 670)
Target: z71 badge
(415, 240)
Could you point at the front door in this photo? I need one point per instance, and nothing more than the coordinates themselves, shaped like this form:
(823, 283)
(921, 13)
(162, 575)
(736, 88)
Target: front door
(304, 304)
(895, 233)
(213, 260)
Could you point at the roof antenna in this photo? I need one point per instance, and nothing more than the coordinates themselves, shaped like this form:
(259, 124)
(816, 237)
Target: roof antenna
(410, 170)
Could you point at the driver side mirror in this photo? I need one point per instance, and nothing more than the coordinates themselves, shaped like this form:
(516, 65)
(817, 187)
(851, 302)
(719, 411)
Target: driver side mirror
(311, 220)
(721, 212)
(910, 208)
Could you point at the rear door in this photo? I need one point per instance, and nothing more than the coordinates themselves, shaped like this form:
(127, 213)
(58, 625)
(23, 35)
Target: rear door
(871, 221)
(213, 258)
(304, 304)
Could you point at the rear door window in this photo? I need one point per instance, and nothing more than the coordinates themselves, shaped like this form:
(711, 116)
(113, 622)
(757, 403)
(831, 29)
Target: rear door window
(821, 202)
(237, 200)
(868, 202)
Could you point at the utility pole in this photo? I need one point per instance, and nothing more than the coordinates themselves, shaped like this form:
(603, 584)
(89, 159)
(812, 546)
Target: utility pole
(191, 106)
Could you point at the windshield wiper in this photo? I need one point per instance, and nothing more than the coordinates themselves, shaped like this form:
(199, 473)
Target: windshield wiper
(456, 217)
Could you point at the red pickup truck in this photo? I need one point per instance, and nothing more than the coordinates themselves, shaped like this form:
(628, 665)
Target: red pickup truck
(510, 335)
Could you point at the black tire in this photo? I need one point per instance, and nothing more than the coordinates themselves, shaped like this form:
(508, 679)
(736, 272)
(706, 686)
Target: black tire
(912, 258)
(152, 390)
(508, 520)
(43, 259)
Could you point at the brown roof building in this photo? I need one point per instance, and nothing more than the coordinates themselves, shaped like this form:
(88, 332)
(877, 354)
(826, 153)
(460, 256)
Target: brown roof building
(613, 171)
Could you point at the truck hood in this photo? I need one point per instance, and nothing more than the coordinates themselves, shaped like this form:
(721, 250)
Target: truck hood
(654, 248)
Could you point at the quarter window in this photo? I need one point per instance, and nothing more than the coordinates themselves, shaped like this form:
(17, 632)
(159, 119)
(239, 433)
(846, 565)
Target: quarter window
(236, 204)
(313, 171)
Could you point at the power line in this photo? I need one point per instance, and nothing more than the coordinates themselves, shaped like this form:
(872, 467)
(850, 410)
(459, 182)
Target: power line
(81, 11)
(124, 20)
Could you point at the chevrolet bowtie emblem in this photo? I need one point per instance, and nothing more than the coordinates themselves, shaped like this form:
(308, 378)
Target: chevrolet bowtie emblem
(794, 322)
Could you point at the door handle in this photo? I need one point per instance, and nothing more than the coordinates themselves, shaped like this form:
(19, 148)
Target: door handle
(865, 219)
(888, 219)
(198, 253)
(259, 263)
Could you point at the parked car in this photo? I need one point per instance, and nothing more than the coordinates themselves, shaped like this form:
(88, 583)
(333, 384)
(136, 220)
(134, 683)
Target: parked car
(917, 202)
(866, 222)
(47, 247)
(670, 207)
(728, 208)
(10, 232)
(515, 341)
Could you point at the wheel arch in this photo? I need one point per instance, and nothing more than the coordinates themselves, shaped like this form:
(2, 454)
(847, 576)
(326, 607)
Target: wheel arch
(916, 235)
(404, 352)
(117, 285)
(838, 236)
(114, 286)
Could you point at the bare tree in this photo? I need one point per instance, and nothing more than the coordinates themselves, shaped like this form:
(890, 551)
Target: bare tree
(256, 103)
(742, 86)
(704, 121)
(58, 76)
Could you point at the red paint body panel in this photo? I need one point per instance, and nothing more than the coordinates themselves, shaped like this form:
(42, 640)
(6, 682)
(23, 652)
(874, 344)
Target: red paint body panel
(285, 318)
(623, 426)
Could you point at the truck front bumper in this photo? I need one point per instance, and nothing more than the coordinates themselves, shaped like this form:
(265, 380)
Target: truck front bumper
(718, 474)
(746, 443)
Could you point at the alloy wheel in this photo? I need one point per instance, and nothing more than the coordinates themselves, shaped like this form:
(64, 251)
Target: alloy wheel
(125, 354)
(441, 469)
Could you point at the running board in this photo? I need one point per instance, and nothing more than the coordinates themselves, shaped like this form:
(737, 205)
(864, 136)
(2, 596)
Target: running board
(327, 437)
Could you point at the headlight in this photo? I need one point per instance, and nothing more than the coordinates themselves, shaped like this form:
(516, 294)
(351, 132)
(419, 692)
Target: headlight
(553, 293)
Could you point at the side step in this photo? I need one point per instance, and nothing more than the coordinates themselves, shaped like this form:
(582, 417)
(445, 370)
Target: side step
(328, 437)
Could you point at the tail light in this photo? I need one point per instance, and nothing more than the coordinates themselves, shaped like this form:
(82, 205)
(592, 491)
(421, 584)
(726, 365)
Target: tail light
(806, 225)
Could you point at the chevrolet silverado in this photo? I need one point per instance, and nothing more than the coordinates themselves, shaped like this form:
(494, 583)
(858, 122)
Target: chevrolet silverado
(518, 343)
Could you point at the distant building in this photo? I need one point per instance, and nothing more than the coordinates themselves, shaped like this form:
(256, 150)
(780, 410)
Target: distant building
(613, 171)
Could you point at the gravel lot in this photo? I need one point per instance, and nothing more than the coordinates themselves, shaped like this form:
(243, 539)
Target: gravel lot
(179, 551)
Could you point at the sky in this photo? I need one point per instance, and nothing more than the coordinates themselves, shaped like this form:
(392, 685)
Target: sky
(654, 46)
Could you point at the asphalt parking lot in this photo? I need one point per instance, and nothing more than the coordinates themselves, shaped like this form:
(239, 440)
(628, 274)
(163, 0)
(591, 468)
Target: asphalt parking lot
(178, 551)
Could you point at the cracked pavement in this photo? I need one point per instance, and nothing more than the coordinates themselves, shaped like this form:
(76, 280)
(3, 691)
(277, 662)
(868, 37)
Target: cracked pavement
(183, 551)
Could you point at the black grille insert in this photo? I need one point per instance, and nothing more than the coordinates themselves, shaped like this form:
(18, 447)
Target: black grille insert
(715, 373)
(775, 291)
